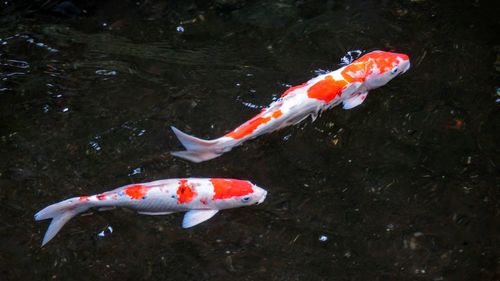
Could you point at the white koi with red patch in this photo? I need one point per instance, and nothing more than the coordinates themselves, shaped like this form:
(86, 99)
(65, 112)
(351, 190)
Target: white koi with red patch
(200, 198)
(348, 85)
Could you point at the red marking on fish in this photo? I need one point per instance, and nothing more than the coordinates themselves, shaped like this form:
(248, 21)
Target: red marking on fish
(277, 114)
(137, 191)
(291, 89)
(369, 63)
(251, 125)
(226, 188)
(382, 60)
(204, 201)
(326, 89)
(184, 192)
(248, 127)
(355, 72)
(101, 196)
(84, 198)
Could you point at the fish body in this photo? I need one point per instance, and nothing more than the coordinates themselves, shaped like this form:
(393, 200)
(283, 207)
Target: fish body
(199, 198)
(348, 85)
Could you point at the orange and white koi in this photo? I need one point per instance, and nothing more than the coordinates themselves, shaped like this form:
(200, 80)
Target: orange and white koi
(201, 199)
(348, 85)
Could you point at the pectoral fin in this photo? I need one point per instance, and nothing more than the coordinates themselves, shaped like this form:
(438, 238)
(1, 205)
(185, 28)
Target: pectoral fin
(354, 100)
(194, 217)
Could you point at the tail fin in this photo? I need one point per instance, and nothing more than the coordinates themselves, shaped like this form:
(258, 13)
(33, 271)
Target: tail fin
(60, 213)
(197, 150)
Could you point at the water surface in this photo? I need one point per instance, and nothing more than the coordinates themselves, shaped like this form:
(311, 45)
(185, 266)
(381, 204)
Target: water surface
(403, 187)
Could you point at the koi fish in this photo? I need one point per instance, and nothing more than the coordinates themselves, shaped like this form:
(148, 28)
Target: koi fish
(201, 199)
(348, 85)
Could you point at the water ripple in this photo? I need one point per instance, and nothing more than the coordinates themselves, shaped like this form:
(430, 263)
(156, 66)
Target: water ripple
(350, 57)
(30, 40)
(105, 72)
(16, 63)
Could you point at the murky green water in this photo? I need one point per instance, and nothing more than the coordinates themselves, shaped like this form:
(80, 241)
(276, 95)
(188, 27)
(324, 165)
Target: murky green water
(404, 187)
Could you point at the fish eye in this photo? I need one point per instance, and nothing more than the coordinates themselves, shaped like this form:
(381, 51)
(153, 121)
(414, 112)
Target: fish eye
(394, 70)
(245, 199)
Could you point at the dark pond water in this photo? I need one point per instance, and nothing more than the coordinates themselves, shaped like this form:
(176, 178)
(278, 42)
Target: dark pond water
(404, 187)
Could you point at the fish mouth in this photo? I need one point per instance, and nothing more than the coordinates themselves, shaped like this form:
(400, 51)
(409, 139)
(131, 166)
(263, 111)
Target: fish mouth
(262, 198)
(406, 68)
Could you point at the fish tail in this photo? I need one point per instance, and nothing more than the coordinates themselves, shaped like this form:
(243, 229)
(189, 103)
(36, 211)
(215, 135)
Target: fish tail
(61, 213)
(197, 150)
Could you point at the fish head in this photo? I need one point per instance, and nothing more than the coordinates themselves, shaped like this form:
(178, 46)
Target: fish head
(255, 197)
(379, 67)
(232, 193)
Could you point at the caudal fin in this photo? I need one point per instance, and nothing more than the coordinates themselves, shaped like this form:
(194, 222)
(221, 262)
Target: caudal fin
(197, 150)
(60, 213)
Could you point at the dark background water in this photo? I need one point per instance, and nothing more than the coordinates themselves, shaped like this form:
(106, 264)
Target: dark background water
(403, 187)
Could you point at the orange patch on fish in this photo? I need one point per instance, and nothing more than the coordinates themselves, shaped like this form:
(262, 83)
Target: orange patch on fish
(225, 188)
(277, 114)
(248, 127)
(184, 192)
(251, 125)
(372, 62)
(326, 89)
(355, 72)
(291, 89)
(137, 191)
(84, 198)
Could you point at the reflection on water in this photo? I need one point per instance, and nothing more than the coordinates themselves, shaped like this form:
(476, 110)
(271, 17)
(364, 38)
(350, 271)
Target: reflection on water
(404, 187)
